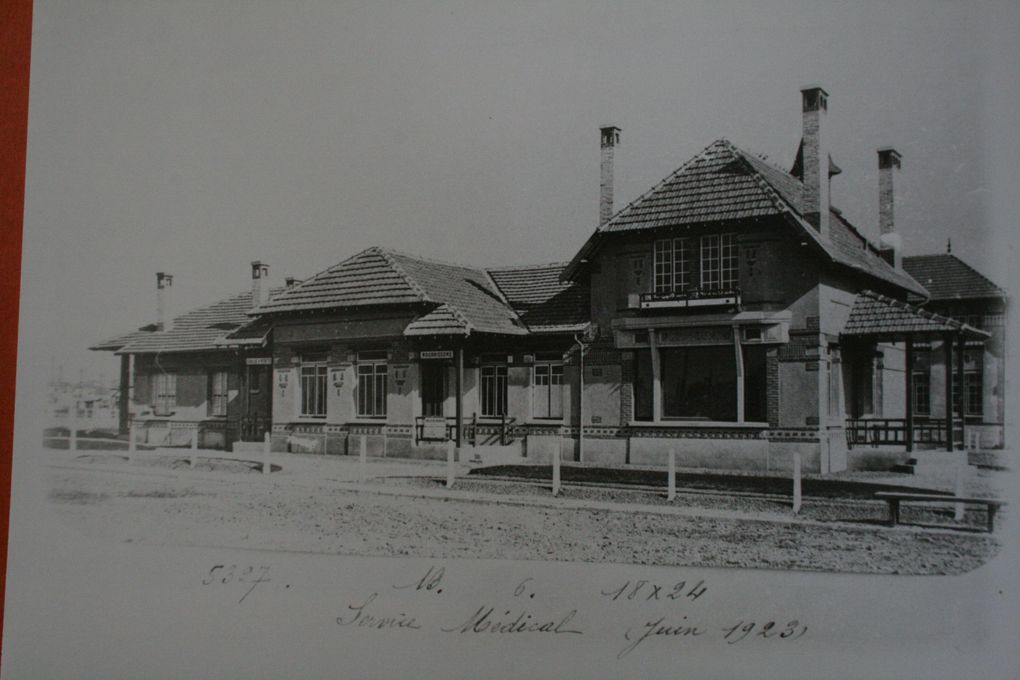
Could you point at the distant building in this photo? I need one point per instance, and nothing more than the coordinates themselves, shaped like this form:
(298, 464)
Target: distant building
(959, 291)
(731, 314)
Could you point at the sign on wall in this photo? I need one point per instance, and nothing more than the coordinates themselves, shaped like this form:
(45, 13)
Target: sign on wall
(437, 354)
(259, 361)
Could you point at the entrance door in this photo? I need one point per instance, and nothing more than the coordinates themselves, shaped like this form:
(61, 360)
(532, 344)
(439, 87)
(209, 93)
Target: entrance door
(258, 403)
(433, 388)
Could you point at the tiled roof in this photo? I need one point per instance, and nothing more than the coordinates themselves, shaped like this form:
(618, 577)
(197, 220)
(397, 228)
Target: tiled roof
(118, 341)
(875, 315)
(197, 330)
(947, 277)
(541, 300)
(724, 183)
(443, 320)
(384, 277)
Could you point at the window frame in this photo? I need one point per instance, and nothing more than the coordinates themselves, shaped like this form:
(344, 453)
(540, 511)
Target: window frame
(164, 393)
(219, 399)
(499, 392)
(554, 381)
(671, 265)
(719, 262)
(314, 370)
(372, 390)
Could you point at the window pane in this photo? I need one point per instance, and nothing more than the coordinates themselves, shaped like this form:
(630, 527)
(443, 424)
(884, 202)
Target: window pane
(699, 382)
(663, 266)
(681, 275)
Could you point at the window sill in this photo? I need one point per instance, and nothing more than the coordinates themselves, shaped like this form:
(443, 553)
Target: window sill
(697, 423)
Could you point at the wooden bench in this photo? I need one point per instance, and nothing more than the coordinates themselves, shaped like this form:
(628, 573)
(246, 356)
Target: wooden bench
(894, 499)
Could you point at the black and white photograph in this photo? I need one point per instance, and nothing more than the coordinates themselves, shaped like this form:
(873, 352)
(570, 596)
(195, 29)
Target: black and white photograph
(568, 339)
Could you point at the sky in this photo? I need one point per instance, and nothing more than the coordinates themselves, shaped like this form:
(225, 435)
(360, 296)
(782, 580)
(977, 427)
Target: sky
(195, 137)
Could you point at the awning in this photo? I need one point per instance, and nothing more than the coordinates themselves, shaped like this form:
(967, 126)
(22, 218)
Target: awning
(878, 317)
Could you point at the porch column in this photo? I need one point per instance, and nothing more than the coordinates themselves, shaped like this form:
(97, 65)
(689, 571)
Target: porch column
(963, 392)
(947, 344)
(656, 378)
(123, 411)
(909, 371)
(458, 431)
(740, 374)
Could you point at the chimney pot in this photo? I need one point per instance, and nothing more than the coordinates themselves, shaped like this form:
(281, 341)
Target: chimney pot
(610, 138)
(164, 282)
(290, 281)
(890, 243)
(259, 286)
(816, 169)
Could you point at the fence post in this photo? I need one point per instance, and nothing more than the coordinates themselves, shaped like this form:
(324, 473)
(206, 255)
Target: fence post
(556, 473)
(671, 485)
(267, 466)
(958, 491)
(131, 441)
(194, 449)
(73, 428)
(796, 482)
(450, 472)
(362, 458)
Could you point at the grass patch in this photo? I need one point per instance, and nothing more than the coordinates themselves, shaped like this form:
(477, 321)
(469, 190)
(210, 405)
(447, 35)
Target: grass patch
(782, 486)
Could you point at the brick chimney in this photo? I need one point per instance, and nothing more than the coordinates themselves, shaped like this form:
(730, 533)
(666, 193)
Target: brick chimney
(890, 243)
(259, 283)
(164, 286)
(610, 138)
(290, 281)
(816, 169)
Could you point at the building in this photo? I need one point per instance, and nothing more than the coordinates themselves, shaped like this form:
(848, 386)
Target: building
(731, 314)
(186, 379)
(959, 291)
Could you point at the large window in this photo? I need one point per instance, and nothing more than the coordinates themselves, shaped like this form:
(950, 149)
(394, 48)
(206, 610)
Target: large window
(493, 391)
(672, 271)
(372, 384)
(313, 385)
(164, 393)
(548, 390)
(718, 262)
(218, 394)
(699, 383)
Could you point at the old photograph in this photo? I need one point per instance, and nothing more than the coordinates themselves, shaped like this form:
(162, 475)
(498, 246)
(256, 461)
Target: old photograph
(660, 297)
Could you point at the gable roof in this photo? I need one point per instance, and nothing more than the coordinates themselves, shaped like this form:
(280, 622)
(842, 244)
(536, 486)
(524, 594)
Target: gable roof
(724, 183)
(377, 276)
(541, 299)
(947, 277)
(878, 316)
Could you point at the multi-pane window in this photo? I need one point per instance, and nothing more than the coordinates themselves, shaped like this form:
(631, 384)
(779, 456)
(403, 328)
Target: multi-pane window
(218, 394)
(164, 393)
(548, 390)
(493, 391)
(372, 374)
(672, 272)
(921, 383)
(313, 385)
(718, 261)
(973, 386)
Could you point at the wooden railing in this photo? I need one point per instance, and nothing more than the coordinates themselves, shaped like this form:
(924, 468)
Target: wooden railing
(893, 432)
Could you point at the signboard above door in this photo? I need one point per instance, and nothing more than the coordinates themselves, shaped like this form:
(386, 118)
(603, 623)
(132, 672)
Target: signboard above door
(436, 354)
(259, 361)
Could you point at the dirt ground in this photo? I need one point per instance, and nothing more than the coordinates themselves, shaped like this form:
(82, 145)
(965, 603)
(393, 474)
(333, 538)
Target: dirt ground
(319, 509)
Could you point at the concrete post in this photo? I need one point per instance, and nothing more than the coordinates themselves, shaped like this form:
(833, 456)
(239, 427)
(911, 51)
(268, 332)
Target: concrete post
(362, 458)
(556, 473)
(796, 483)
(958, 490)
(671, 484)
(73, 427)
(267, 466)
(451, 454)
(194, 450)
